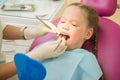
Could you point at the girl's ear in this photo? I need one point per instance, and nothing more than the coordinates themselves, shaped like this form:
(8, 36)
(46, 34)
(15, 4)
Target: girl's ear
(89, 33)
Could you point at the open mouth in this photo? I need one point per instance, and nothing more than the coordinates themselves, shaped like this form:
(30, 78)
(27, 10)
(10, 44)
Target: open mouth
(65, 36)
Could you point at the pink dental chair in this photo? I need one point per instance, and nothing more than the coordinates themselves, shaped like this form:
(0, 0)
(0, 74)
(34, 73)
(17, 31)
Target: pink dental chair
(108, 38)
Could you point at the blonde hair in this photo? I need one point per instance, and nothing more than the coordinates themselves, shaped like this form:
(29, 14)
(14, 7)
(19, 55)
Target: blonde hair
(92, 22)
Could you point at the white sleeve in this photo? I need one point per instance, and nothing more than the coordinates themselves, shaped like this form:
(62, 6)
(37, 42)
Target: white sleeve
(3, 25)
(2, 56)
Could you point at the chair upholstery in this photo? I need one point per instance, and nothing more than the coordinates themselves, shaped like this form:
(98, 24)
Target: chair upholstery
(103, 7)
(108, 39)
(108, 48)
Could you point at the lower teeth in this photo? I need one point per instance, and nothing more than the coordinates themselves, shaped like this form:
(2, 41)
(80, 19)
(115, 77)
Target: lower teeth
(65, 37)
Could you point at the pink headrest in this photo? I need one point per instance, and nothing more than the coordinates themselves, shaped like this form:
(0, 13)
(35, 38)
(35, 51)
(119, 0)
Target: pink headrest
(103, 7)
(109, 48)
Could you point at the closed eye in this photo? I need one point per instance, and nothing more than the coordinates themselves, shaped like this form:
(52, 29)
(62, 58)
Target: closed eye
(74, 25)
(62, 21)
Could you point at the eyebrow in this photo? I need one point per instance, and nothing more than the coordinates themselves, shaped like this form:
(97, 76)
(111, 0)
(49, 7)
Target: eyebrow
(70, 20)
(63, 17)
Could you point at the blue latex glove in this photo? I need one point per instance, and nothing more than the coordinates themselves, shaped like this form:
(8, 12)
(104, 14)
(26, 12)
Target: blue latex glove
(28, 68)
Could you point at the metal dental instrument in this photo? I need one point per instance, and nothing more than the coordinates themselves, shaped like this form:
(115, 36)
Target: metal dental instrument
(42, 22)
(58, 45)
(57, 32)
(59, 42)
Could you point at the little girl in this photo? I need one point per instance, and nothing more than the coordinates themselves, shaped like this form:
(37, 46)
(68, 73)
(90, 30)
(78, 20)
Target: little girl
(78, 24)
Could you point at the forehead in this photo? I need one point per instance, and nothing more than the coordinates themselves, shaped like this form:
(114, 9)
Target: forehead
(75, 12)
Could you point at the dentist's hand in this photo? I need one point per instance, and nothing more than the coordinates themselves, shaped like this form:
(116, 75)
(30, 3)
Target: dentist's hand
(30, 33)
(49, 49)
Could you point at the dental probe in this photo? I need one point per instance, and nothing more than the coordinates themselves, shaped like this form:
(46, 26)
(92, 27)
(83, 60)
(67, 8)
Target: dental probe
(57, 32)
(43, 22)
(60, 42)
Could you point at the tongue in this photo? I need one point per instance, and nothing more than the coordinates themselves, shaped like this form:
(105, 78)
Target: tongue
(65, 37)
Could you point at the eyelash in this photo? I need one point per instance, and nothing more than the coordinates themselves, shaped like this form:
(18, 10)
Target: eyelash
(72, 24)
(75, 25)
(62, 21)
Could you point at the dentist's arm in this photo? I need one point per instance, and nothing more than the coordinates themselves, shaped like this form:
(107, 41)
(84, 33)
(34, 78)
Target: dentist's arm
(49, 49)
(12, 32)
(7, 70)
(44, 51)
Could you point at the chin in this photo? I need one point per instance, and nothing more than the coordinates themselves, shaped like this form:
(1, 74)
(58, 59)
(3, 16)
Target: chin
(69, 47)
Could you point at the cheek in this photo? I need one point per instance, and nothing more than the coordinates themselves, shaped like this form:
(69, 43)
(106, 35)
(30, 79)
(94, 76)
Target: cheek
(59, 27)
(74, 40)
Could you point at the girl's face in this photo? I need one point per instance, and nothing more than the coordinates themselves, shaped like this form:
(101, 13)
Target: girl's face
(73, 24)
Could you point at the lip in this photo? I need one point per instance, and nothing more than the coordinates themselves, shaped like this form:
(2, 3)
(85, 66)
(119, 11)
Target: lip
(65, 35)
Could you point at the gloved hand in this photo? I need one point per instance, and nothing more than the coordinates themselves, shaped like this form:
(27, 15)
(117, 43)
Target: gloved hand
(49, 49)
(30, 33)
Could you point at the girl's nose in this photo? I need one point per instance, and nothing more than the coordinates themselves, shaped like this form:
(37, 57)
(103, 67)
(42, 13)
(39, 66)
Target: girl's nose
(66, 27)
